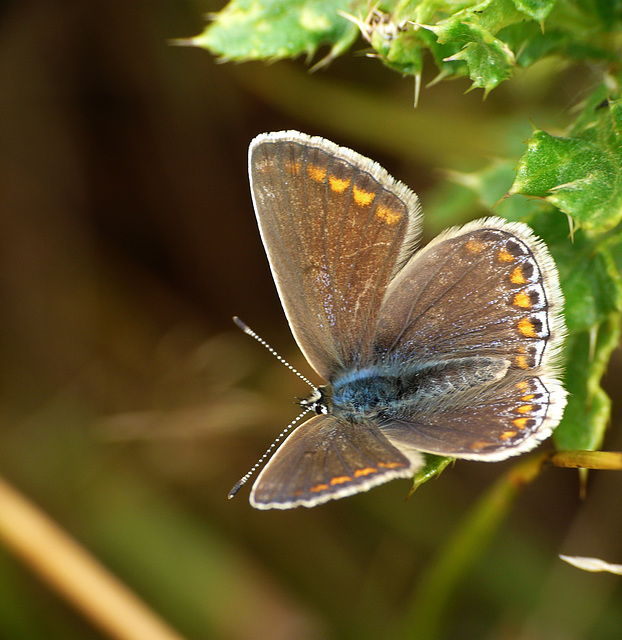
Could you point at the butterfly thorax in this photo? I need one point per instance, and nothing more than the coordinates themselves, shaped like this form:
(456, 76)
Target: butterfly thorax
(388, 390)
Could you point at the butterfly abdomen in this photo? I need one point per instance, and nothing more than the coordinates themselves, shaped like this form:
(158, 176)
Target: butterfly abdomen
(389, 390)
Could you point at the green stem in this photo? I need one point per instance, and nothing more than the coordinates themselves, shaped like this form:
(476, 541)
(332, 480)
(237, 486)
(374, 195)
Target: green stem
(449, 569)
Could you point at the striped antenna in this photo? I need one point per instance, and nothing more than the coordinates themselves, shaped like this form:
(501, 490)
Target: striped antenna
(249, 332)
(269, 450)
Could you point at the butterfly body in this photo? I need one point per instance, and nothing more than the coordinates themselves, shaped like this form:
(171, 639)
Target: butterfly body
(451, 349)
(397, 390)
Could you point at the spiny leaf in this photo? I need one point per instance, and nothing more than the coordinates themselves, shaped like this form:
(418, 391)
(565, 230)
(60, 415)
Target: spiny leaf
(433, 467)
(581, 175)
(272, 29)
(484, 40)
(593, 291)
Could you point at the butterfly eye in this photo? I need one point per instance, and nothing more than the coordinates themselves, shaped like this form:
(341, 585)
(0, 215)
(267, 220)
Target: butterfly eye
(316, 401)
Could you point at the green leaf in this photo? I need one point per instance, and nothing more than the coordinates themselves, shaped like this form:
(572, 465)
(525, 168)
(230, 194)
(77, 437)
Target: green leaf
(537, 9)
(531, 44)
(402, 51)
(482, 40)
(272, 29)
(581, 174)
(471, 31)
(589, 407)
(433, 467)
(489, 60)
(589, 261)
(592, 288)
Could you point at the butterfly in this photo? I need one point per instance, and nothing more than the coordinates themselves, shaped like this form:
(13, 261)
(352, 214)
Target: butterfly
(451, 349)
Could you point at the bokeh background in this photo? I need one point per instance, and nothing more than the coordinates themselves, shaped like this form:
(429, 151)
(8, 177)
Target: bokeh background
(130, 404)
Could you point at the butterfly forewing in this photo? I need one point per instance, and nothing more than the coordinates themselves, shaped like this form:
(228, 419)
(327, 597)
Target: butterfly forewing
(335, 227)
(478, 290)
(327, 458)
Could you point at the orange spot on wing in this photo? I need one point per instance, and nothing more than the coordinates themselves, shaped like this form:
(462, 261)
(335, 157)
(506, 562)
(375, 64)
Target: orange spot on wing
(317, 174)
(363, 198)
(391, 465)
(365, 472)
(517, 276)
(506, 256)
(338, 185)
(520, 423)
(474, 246)
(319, 487)
(522, 300)
(528, 397)
(388, 215)
(340, 480)
(521, 362)
(526, 408)
(526, 327)
(506, 435)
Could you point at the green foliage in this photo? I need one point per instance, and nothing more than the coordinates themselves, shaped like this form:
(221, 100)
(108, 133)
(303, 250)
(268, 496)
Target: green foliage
(577, 175)
(251, 30)
(580, 175)
(593, 293)
(434, 465)
(485, 41)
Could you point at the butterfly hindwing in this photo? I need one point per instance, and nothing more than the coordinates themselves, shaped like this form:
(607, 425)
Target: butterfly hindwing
(482, 422)
(491, 290)
(488, 288)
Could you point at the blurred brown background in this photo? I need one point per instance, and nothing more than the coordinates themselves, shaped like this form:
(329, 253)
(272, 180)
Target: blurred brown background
(130, 404)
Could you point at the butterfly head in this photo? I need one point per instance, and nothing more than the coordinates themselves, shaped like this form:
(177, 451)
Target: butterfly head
(318, 401)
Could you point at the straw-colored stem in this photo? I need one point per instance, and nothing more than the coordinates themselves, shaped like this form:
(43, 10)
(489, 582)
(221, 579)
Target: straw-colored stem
(73, 572)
